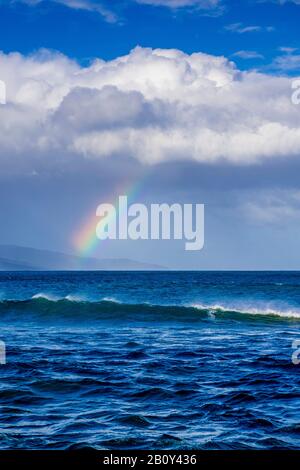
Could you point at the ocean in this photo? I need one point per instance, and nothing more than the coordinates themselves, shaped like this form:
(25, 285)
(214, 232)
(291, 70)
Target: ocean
(149, 360)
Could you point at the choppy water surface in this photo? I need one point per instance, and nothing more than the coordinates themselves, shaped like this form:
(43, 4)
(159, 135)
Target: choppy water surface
(149, 360)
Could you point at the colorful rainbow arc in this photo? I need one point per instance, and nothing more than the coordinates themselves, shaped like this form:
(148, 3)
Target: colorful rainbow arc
(85, 239)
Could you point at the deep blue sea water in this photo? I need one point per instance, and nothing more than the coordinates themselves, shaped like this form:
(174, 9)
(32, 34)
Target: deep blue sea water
(156, 360)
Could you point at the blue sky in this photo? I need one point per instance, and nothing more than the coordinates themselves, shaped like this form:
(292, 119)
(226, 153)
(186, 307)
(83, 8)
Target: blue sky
(168, 100)
(261, 27)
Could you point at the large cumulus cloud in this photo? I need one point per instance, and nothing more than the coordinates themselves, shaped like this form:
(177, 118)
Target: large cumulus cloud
(150, 105)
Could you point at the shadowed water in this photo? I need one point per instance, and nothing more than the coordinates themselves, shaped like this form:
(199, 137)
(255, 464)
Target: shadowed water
(150, 360)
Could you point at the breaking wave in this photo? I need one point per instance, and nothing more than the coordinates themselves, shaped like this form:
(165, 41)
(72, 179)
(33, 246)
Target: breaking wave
(44, 306)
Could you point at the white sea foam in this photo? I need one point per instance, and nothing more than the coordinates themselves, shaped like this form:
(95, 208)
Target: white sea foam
(42, 295)
(111, 299)
(75, 298)
(250, 310)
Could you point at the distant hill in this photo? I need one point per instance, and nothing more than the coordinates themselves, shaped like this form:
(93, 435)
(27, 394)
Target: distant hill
(9, 265)
(19, 258)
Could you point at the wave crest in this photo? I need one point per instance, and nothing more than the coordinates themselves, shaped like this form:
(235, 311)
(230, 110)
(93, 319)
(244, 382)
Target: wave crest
(250, 310)
(73, 308)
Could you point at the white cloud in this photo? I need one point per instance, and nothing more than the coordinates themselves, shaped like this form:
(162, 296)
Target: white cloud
(248, 55)
(100, 7)
(151, 105)
(202, 4)
(287, 50)
(277, 207)
(282, 2)
(288, 62)
(242, 29)
(95, 6)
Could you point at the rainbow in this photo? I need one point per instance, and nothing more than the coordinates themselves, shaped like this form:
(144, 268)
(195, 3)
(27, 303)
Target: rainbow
(85, 239)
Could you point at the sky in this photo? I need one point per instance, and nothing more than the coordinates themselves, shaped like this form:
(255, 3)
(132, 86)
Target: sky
(176, 101)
